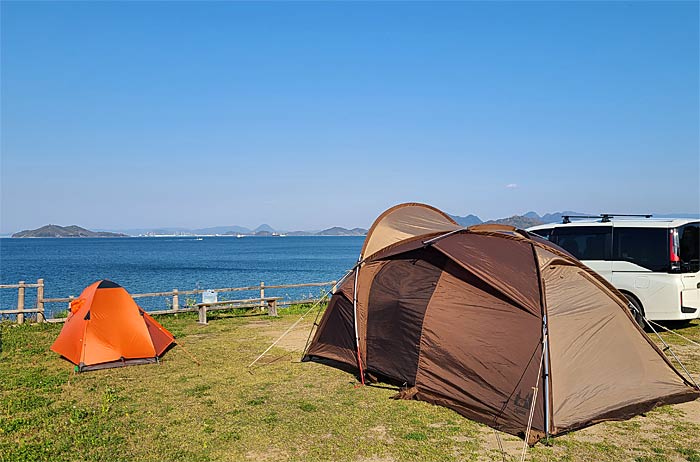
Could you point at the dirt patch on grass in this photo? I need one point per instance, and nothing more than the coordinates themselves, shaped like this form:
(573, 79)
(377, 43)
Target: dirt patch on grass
(488, 439)
(271, 454)
(376, 459)
(691, 411)
(380, 433)
(294, 340)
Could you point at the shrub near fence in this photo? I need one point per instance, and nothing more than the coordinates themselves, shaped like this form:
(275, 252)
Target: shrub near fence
(173, 296)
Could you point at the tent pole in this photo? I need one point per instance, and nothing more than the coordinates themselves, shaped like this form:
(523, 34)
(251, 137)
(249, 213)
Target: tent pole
(443, 236)
(354, 312)
(545, 352)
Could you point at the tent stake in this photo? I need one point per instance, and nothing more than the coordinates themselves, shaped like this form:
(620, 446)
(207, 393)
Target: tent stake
(500, 444)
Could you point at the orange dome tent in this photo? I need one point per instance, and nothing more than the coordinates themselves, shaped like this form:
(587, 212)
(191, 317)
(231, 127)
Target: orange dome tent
(106, 328)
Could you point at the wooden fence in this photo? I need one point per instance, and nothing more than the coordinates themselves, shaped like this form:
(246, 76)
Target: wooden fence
(174, 295)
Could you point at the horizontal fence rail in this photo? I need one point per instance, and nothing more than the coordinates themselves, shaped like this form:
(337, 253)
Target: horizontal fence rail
(172, 298)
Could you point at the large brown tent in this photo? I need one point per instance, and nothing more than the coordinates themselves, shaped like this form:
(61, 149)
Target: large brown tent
(494, 323)
(106, 328)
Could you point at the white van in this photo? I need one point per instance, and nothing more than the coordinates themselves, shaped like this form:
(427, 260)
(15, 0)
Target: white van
(654, 262)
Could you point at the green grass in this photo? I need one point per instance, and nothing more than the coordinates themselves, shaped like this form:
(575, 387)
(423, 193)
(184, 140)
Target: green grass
(283, 410)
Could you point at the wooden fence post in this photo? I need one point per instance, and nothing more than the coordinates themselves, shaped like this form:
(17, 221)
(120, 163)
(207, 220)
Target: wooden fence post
(272, 307)
(202, 314)
(262, 294)
(70, 299)
(40, 317)
(20, 302)
(176, 300)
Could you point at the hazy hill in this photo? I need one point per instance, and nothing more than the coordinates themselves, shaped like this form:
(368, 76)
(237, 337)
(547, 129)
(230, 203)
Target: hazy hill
(551, 217)
(264, 227)
(468, 220)
(338, 231)
(518, 221)
(65, 231)
(233, 229)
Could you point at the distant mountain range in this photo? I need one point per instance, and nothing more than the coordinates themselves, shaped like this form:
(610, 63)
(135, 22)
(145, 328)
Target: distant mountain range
(533, 219)
(519, 221)
(65, 231)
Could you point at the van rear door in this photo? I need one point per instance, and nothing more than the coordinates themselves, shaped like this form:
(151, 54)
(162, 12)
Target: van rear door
(689, 256)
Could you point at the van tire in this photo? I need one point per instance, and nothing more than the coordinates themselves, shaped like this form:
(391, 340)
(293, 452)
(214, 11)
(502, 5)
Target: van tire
(638, 315)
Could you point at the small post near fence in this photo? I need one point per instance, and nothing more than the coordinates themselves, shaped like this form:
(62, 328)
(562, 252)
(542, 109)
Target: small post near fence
(176, 300)
(40, 316)
(20, 303)
(70, 300)
(262, 293)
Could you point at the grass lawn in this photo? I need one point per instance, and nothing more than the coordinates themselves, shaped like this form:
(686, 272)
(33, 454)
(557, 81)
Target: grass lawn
(284, 410)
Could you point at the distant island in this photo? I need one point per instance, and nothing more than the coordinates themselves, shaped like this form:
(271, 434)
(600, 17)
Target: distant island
(65, 231)
(261, 231)
(338, 231)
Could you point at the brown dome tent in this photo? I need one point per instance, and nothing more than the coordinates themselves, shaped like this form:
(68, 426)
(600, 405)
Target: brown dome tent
(499, 325)
(106, 328)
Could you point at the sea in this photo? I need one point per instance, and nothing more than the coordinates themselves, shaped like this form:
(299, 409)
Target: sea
(158, 264)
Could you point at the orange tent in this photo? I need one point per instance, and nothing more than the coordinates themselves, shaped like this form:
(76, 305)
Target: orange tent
(106, 328)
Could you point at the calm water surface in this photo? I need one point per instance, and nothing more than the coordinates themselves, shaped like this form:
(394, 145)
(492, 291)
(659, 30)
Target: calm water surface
(162, 264)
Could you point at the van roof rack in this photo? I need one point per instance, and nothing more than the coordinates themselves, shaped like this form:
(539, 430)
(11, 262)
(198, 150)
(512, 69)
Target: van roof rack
(604, 217)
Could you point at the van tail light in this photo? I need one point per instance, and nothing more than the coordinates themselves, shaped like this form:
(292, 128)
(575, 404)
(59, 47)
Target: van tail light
(673, 250)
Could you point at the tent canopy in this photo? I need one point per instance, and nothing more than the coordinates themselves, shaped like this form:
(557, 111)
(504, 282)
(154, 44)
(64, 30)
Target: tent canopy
(402, 222)
(477, 319)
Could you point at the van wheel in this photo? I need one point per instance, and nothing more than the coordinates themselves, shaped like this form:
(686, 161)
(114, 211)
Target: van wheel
(638, 311)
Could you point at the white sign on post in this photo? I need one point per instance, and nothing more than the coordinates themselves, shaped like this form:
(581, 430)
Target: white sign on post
(209, 296)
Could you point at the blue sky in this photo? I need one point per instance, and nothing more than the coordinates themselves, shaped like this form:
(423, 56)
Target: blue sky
(308, 115)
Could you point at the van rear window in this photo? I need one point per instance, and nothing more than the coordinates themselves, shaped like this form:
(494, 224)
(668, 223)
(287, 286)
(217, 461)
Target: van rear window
(689, 247)
(646, 247)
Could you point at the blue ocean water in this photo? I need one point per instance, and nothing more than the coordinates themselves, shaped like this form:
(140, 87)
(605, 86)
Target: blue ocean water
(162, 264)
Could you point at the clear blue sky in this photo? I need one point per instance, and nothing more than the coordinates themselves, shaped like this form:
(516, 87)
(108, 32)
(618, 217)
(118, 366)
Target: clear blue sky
(308, 115)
